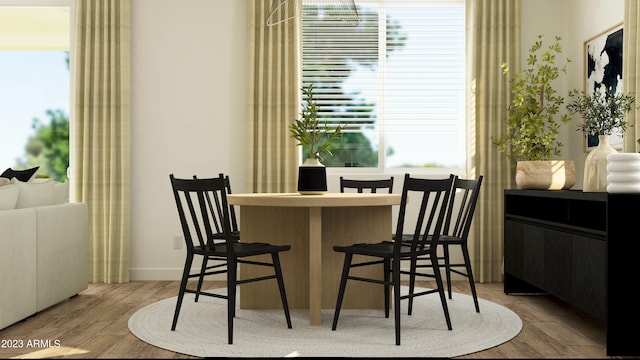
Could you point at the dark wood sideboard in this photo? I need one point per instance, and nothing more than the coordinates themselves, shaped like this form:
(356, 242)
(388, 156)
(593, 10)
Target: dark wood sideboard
(582, 248)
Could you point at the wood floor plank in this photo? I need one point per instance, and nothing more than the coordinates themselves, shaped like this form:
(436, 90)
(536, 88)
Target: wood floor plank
(94, 324)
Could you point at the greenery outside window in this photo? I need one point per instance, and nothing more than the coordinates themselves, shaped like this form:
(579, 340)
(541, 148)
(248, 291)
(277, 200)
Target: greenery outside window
(397, 80)
(34, 66)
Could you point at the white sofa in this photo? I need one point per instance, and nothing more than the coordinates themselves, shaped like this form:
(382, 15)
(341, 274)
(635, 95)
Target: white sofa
(44, 250)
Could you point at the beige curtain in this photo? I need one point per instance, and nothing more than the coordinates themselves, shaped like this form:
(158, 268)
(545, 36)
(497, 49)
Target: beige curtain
(273, 100)
(493, 38)
(630, 68)
(101, 133)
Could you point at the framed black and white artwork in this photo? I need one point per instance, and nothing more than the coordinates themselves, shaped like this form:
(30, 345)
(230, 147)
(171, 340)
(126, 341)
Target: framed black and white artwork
(603, 69)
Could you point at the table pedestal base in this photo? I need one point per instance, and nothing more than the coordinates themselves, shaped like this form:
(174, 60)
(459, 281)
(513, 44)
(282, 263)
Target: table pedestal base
(312, 269)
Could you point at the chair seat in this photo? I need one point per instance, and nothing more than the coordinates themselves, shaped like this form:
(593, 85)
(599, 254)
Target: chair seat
(443, 239)
(382, 249)
(451, 240)
(242, 249)
(235, 234)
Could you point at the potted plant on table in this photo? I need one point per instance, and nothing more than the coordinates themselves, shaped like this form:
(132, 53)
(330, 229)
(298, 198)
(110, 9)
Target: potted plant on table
(603, 114)
(533, 122)
(316, 137)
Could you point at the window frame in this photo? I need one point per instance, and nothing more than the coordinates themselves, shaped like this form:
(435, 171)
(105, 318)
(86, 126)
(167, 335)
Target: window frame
(382, 169)
(70, 4)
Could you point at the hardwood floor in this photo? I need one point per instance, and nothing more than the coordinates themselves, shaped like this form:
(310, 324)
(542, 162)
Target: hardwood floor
(94, 325)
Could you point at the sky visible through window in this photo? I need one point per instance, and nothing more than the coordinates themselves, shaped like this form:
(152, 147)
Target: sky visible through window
(412, 144)
(31, 82)
(414, 91)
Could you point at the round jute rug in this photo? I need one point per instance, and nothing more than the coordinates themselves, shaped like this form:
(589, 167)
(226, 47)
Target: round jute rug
(202, 330)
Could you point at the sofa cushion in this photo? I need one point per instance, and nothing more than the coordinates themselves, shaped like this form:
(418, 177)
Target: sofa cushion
(9, 196)
(22, 175)
(34, 194)
(18, 267)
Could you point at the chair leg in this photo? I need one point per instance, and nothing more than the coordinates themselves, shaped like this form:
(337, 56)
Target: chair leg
(447, 267)
(412, 283)
(283, 295)
(343, 285)
(183, 287)
(231, 296)
(396, 297)
(203, 269)
(467, 263)
(387, 286)
(438, 276)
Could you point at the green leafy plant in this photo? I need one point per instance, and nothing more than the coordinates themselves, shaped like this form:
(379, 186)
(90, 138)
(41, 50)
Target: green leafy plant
(312, 134)
(532, 122)
(603, 112)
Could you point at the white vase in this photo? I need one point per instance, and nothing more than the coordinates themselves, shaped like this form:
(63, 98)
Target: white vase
(312, 177)
(623, 173)
(595, 166)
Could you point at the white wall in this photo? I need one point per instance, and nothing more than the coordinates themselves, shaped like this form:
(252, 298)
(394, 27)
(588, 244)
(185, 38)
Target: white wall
(188, 115)
(575, 21)
(188, 104)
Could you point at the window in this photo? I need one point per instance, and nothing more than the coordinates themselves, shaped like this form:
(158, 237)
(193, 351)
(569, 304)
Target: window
(35, 90)
(397, 80)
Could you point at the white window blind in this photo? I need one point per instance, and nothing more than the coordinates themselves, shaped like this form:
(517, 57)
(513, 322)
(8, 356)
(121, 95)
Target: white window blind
(397, 80)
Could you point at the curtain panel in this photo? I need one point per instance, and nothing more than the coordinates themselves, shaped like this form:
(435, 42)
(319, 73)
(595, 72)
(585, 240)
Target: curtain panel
(493, 38)
(101, 140)
(273, 100)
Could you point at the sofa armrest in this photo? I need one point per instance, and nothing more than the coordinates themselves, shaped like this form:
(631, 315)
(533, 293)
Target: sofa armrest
(62, 252)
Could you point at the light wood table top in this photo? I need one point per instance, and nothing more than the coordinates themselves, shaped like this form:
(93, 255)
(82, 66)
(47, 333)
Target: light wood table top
(324, 200)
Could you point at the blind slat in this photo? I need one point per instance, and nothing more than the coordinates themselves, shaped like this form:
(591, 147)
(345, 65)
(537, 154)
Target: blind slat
(409, 79)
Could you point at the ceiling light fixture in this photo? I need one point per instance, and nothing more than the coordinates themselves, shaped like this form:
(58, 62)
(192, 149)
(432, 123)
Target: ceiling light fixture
(343, 10)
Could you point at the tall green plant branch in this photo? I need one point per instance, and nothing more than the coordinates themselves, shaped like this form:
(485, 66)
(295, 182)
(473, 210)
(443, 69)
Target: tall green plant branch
(532, 128)
(311, 133)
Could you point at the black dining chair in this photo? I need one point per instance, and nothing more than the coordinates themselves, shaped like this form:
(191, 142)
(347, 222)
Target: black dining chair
(218, 234)
(201, 204)
(370, 184)
(431, 196)
(462, 204)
